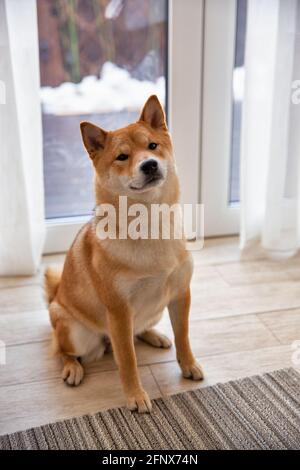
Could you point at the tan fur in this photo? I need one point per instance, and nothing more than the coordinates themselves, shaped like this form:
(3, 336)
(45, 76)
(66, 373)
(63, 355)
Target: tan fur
(52, 279)
(119, 288)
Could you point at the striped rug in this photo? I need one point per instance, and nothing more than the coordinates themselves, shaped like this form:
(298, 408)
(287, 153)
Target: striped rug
(260, 412)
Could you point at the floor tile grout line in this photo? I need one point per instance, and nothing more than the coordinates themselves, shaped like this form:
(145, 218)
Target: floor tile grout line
(40, 309)
(277, 310)
(200, 357)
(271, 331)
(18, 286)
(256, 283)
(12, 345)
(239, 315)
(155, 380)
(25, 343)
(57, 378)
(232, 261)
(35, 312)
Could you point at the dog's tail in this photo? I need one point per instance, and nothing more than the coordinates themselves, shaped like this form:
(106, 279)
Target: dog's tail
(51, 281)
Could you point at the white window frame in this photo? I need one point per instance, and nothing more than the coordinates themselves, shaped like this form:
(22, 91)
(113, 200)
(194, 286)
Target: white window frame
(198, 55)
(61, 232)
(221, 218)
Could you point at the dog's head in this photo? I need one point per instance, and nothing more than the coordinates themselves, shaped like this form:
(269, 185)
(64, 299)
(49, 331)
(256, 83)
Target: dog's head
(135, 160)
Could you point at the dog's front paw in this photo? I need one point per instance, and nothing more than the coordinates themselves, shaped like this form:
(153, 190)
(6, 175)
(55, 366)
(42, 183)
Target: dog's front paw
(140, 401)
(192, 371)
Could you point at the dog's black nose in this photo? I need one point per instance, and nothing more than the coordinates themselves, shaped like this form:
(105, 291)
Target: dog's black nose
(149, 167)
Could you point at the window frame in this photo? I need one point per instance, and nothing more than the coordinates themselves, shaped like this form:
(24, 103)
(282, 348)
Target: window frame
(221, 217)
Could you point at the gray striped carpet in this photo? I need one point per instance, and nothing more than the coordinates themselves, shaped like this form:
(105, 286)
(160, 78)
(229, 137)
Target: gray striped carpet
(261, 412)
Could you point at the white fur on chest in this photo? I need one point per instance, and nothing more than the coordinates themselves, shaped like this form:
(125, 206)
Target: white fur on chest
(148, 297)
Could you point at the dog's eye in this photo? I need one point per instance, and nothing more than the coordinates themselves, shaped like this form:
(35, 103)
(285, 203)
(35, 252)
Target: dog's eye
(122, 157)
(152, 146)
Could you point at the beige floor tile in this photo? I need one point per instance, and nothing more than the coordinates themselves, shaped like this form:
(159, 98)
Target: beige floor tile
(39, 403)
(25, 327)
(147, 355)
(285, 324)
(215, 250)
(221, 250)
(224, 335)
(263, 271)
(18, 281)
(257, 272)
(56, 258)
(31, 362)
(21, 299)
(244, 299)
(222, 368)
(207, 279)
(214, 336)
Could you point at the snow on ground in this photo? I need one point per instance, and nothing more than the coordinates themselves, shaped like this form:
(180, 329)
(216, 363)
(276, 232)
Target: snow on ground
(115, 90)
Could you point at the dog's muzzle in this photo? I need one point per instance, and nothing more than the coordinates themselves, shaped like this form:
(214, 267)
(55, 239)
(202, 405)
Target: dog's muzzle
(151, 174)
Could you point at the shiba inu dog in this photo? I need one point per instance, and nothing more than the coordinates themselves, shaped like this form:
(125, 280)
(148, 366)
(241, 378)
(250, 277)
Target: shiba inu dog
(117, 288)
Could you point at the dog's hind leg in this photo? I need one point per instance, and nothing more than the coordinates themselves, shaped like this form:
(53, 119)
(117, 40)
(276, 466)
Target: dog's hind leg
(73, 371)
(73, 341)
(154, 338)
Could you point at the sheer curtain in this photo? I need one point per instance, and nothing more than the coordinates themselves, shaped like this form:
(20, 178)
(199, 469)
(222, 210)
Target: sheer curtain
(270, 149)
(22, 226)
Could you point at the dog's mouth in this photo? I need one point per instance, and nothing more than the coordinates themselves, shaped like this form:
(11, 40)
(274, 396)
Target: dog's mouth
(150, 182)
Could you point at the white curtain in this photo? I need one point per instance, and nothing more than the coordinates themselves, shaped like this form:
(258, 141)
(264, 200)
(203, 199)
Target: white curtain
(270, 148)
(22, 227)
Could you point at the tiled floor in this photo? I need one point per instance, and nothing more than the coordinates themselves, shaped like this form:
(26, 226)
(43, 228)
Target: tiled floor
(245, 316)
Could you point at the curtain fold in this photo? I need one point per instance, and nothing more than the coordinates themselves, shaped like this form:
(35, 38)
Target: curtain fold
(22, 225)
(271, 129)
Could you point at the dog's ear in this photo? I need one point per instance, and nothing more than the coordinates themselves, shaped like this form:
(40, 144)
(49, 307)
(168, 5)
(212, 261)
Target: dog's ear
(153, 113)
(93, 138)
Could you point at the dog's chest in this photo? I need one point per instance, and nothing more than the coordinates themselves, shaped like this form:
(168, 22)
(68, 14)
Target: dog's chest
(147, 285)
(145, 289)
(147, 280)
(148, 298)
